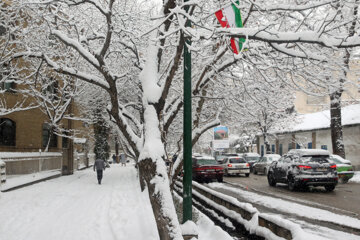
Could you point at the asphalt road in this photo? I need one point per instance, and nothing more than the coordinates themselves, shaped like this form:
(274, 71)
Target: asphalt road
(343, 200)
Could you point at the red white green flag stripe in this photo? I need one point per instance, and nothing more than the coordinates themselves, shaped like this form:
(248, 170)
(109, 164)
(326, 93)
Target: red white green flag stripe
(229, 17)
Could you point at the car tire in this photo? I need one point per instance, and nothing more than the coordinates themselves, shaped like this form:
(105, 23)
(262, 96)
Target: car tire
(291, 183)
(255, 172)
(247, 174)
(220, 179)
(330, 188)
(271, 179)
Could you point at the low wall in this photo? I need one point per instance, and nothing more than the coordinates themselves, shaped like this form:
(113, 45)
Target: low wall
(246, 211)
(26, 163)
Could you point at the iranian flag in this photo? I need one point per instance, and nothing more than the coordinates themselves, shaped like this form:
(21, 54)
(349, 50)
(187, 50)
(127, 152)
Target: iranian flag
(229, 17)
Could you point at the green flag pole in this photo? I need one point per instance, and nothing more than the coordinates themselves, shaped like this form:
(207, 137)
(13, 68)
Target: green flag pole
(187, 178)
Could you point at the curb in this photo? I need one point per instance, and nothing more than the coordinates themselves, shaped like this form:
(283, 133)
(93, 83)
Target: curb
(31, 183)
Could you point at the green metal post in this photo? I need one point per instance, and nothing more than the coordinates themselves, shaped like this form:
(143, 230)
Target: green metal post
(187, 179)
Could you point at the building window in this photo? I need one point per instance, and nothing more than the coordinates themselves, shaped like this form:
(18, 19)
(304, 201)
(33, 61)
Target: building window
(310, 145)
(7, 132)
(280, 149)
(289, 146)
(324, 147)
(273, 148)
(47, 131)
(262, 150)
(8, 86)
(2, 30)
(316, 100)
(65, 142)
(50, 89)
(5, 82)
(297, 146)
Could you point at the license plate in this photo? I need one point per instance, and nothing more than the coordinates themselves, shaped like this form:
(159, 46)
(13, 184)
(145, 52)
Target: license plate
(210, 170)
(321, 169)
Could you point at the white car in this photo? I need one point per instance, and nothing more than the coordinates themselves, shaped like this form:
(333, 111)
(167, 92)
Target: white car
(262, 166)
(235, 166)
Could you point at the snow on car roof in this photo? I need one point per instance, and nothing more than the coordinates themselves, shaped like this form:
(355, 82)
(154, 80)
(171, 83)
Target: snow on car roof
(272, 155)
(252, 154)
(309, 152)
(204, 157)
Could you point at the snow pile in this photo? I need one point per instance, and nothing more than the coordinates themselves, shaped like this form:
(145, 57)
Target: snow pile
(293, 208)
(356, 177)
(13, 181)
(189, 228)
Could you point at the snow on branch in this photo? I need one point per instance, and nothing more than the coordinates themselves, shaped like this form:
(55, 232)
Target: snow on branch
(287, 7)
(90, 78)
(272, 36)
(77, 46)
(300, 54)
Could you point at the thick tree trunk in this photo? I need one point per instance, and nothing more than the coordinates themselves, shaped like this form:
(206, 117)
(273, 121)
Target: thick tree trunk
(266, 142)
(335, 124)
(147, 173)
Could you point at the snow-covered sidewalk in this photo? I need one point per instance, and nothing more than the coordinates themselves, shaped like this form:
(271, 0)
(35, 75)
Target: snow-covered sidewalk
(14, 181)
(76, 207)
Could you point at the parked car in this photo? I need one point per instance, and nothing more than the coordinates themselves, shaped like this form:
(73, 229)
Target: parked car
(303, 168)
(343, 167)
(235, 166)
(262, 166)
(205, 168)
(251, 158)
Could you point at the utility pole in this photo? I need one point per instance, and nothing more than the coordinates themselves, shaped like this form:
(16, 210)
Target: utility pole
(187, 179)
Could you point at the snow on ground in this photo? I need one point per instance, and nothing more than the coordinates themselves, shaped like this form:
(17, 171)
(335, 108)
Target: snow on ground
(76, 207)
(291, 207)
(356, 177)
(17, 180)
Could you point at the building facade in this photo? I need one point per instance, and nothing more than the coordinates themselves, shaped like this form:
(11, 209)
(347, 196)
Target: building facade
(313, 131)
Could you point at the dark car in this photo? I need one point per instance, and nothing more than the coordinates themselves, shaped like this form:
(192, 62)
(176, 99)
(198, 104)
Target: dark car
(303, 168)
(205, 169)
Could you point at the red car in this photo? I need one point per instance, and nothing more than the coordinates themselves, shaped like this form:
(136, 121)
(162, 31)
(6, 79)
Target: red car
(206, 169)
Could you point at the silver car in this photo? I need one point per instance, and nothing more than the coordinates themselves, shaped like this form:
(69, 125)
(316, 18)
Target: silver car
(262, 166)
(235, 166)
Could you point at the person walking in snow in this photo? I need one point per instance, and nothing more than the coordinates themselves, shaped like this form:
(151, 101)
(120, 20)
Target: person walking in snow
(123, 159)
(99, 165)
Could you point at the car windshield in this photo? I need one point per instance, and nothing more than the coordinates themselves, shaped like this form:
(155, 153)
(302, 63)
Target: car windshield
(252, 158)
(220, 157)
(207, 162)
(317, 159)
(236, 160)
(270, 159)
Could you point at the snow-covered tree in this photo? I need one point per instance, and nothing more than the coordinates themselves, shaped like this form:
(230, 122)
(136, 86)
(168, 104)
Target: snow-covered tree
(135, 57)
